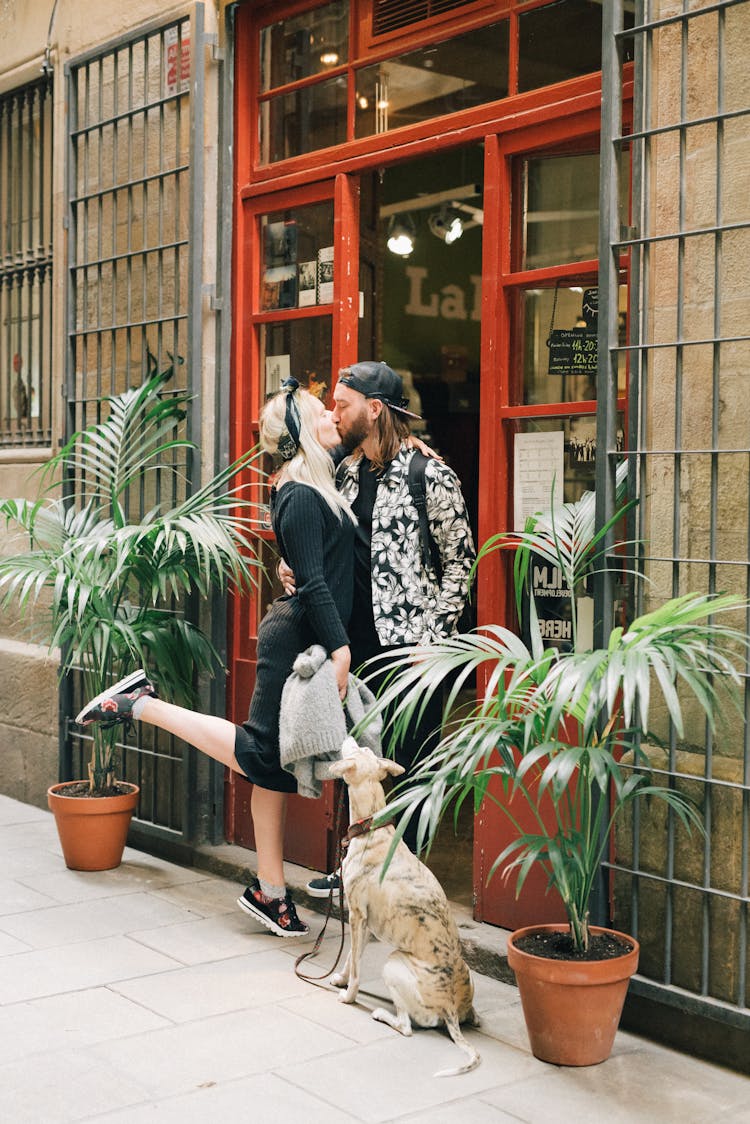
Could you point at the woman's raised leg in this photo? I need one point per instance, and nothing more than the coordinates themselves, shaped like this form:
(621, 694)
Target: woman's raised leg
(210, 734)
(215, 737)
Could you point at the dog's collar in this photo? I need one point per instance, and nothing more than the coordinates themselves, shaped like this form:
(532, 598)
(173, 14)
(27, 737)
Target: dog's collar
(362, 827)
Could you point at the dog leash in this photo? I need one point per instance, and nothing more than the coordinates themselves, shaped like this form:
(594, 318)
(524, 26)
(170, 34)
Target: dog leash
(355, 829)
(361, 827)
(319, 939)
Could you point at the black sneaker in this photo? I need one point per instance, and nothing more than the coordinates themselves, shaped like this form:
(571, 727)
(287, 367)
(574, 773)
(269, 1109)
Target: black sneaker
(277, 914)
(116, 703)
(322, 887)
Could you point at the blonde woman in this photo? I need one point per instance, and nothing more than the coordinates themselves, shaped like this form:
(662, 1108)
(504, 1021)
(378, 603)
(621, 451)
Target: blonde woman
(314, 529)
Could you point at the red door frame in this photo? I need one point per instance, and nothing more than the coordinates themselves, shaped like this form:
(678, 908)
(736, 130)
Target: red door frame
(309, 837)
(531, 122)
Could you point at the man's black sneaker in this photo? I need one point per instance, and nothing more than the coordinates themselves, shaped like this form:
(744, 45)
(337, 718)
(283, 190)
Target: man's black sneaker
(322, 887)
(277, 914)
(116, 703)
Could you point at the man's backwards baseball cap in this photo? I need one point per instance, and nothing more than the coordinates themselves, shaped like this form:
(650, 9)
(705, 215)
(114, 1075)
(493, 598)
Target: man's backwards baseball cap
(377, 380)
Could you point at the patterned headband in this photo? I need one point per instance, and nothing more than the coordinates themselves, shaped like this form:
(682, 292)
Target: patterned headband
(288, 445)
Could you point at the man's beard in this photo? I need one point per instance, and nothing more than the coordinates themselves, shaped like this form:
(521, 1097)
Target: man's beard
(357, 432)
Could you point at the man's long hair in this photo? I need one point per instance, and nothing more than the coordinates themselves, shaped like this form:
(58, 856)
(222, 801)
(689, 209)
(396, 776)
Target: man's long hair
(389, 431)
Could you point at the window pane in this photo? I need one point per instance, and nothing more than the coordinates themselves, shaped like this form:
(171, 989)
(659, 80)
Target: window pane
(304, 45)
(561, 196)
(561, 41)
(301, 348)
(303, 121)
(579, 449)
(297, 257)
(441, 78)
(559, 327)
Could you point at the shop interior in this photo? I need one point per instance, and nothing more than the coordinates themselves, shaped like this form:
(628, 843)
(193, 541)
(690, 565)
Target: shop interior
(421, 265)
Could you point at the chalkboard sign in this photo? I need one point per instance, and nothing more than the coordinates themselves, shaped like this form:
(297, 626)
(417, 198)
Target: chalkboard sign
(572, 351)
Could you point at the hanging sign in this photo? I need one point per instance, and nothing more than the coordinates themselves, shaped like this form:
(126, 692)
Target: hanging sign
(572, 351)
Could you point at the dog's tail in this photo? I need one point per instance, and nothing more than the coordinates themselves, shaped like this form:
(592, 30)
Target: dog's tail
(473, 1057)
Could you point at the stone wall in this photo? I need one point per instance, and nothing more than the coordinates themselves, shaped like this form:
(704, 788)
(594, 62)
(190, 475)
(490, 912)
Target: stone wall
(695, 505)
(28, 721)
(702, 925)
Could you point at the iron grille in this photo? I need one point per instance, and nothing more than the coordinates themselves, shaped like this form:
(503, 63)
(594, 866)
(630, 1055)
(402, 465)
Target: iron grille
(132, 189)
(687, 899)
(26, 266)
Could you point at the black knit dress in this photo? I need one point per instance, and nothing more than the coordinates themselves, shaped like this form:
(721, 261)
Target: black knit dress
(319, 547)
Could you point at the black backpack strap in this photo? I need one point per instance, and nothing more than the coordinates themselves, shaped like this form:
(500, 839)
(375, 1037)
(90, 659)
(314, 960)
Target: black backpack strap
(428, 550)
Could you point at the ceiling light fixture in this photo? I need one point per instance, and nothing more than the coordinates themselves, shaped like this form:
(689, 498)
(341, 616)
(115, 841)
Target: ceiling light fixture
(329, 58)
(446, 225)
(401, 235)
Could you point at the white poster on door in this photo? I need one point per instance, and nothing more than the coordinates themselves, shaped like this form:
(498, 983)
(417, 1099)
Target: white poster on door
(538, 464)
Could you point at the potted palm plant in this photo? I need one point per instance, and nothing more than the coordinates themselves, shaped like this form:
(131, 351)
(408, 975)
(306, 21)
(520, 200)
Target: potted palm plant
(563, 729)
(103, 580)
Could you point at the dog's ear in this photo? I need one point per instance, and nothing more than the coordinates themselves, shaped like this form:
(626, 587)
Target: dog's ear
(338, 768)
(392, 767)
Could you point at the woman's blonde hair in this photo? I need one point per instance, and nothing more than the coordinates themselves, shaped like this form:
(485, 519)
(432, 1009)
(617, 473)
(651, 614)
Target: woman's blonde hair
(311, 464)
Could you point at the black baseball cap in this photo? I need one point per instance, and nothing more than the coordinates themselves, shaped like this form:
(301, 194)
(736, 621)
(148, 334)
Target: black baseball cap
(377, 380)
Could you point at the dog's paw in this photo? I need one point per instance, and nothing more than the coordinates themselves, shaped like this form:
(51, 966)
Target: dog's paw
(347, 995)
(401, 1024)
(339, 980)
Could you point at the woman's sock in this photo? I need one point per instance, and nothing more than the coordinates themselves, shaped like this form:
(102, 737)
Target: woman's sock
(268, 890)
(138, 706)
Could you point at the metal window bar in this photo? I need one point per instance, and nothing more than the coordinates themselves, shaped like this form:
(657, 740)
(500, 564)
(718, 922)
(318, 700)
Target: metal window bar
(135, 181)
(689, 450)
(26, 266)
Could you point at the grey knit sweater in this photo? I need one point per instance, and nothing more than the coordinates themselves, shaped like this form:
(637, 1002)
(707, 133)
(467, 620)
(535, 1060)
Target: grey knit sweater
(312, 724)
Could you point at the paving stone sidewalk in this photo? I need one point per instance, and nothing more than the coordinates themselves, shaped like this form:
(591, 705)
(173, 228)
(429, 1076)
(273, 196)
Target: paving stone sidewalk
(145, 994)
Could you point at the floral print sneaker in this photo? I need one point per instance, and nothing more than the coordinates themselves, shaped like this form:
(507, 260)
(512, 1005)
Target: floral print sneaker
(277, 914)
(116, 703)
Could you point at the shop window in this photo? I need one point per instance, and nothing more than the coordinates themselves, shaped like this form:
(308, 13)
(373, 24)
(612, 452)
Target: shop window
(561, 210)
(304, 48)
(562, 40)
(304, 120)
(297, 347)
(296, 262)
(440, 78)
(574, 450)
(317, 89)
(559, 350)
(26, 266)
(304, 45)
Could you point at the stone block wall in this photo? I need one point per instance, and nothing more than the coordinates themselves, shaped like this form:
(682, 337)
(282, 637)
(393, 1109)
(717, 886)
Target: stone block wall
(704, 928)
(28, 721)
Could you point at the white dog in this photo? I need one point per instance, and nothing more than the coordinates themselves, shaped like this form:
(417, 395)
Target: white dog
(426, 975)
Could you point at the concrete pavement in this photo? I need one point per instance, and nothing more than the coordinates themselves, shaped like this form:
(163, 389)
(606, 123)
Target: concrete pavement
(145, 994)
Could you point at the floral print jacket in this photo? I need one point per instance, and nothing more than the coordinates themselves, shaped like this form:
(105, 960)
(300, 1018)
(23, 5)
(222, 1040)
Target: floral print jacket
(409, 604)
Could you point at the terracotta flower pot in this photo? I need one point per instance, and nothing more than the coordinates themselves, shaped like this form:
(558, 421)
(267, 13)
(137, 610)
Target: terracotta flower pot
(572, 1007)
(92, 830)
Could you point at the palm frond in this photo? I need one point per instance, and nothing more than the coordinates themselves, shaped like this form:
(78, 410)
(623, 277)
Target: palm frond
(111, 582)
